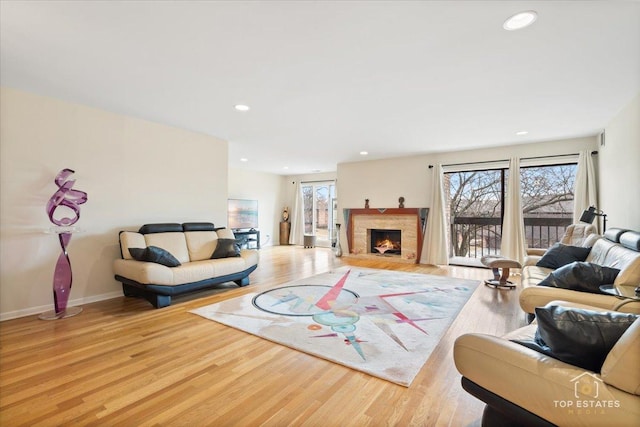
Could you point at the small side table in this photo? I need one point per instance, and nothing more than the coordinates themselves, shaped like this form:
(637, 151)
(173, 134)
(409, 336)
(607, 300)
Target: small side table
(309, 241)
(496, 263)
(626, 294)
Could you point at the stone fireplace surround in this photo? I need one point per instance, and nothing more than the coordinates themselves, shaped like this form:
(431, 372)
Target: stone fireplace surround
(410, 221)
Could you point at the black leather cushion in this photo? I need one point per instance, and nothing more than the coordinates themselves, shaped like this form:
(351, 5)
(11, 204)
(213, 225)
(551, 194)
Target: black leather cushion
(226, 248)
(614, 234)
(631, 240)
(160, 228)
(581, 276)
(154, 254)
(558, 255)
(576, 336)
(198, 226)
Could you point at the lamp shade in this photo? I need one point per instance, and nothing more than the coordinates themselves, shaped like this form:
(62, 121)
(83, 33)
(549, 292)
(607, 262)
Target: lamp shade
(588, 215)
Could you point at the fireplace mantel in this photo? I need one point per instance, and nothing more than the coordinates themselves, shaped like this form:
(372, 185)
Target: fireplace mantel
(412, 222)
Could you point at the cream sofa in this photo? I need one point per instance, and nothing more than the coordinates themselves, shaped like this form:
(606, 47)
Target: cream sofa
(617, 249)
(523, 387)
(192, 245)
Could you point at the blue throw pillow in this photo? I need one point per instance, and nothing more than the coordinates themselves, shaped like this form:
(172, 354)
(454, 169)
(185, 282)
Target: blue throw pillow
(154, 254)
(581, 276)
(576, 336)
(558, 255)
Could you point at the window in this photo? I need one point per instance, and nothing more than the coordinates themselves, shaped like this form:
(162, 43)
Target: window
(476, 203)
(318, 201)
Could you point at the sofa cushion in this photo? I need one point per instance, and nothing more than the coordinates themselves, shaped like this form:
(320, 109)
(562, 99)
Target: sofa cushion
(200, 244)
(154, 254)
(226, 248)
(559, 255)
(581, 276)
(579, 337)
(173, 242)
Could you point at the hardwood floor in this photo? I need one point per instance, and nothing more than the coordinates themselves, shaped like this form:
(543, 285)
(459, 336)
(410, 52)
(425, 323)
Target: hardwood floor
(123, 363)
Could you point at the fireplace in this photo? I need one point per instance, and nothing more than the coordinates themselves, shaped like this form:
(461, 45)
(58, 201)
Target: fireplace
(385, 242)
(402, 227)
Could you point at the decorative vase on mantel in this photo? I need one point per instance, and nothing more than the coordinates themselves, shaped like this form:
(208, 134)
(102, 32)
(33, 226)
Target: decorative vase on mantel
(338, 249)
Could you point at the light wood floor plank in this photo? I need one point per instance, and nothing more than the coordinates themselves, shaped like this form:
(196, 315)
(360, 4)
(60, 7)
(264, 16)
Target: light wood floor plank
(121, 362)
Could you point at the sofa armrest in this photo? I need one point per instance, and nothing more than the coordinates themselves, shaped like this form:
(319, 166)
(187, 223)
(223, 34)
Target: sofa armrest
(536, 251)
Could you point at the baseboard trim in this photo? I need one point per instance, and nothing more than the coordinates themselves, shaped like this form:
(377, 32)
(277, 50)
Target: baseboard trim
(40, 309)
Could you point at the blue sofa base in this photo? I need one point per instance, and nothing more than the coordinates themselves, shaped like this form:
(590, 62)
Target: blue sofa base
(160, 296)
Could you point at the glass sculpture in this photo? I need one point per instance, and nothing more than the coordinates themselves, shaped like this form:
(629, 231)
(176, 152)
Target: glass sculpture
(65, 201)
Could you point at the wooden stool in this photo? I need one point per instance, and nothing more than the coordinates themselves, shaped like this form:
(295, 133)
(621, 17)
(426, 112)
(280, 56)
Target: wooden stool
(496, 263)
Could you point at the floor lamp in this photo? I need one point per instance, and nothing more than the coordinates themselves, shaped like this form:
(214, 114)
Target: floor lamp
(590, 214)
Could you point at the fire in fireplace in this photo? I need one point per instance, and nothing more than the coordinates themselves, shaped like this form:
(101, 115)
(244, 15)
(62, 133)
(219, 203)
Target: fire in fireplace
(386, 242)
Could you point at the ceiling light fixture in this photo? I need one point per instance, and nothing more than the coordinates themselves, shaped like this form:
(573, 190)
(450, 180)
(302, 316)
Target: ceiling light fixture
(241, 107)
(244, 159)
(520, 20)
(364, 153)
(522, 132)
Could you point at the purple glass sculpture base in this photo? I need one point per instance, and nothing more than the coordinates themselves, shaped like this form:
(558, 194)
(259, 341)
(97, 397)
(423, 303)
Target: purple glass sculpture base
(52, 315)
(62, 279)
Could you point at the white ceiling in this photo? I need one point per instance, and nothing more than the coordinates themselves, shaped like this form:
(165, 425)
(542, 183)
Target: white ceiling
(328, 79)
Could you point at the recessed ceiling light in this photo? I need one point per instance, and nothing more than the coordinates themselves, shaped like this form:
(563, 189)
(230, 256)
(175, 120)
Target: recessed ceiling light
(241, 107)
(520, 20)
(364, 153)
(244, 159)
(285, 167)
(522, 132)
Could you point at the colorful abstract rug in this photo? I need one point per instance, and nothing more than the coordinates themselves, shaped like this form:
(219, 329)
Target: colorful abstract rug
(381, 322)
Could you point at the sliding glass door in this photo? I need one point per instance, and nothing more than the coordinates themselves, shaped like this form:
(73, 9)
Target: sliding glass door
(318, 201)
(475, 208)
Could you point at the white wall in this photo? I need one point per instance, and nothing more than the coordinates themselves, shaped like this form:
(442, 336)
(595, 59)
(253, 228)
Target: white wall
(269, 190)
(620, 165)
(384, 181)
(134, 172)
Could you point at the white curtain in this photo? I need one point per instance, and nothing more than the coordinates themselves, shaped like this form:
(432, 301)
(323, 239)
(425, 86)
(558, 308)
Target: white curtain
(435, 244)
(514, 244)
(585, 191)
(297, 218)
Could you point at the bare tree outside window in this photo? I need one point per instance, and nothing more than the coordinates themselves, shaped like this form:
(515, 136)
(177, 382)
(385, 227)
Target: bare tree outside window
(475, 207)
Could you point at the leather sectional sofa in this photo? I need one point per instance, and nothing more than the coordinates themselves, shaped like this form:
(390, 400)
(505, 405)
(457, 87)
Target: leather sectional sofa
(524, 387)
(175, 259)
(617, 248)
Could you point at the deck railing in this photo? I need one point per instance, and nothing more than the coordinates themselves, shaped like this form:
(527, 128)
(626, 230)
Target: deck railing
(475, 237)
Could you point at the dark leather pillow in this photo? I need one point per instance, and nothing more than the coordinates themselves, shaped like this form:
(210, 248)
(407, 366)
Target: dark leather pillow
(577, 336)
(226, 248)
(154, 254)
(581, 276)
(558, 255)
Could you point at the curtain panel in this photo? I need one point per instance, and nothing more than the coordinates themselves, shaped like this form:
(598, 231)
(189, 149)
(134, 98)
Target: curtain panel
(297, 218)
(514, 244)
(585, 192)
(435, 245)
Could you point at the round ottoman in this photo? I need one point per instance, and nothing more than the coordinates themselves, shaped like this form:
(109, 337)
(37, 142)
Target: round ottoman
(497, 263)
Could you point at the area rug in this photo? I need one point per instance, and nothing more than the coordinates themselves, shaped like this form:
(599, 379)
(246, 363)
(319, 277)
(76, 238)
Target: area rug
(381, 322)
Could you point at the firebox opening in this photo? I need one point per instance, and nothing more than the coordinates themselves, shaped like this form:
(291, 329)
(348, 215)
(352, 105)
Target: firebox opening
(386, 242)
